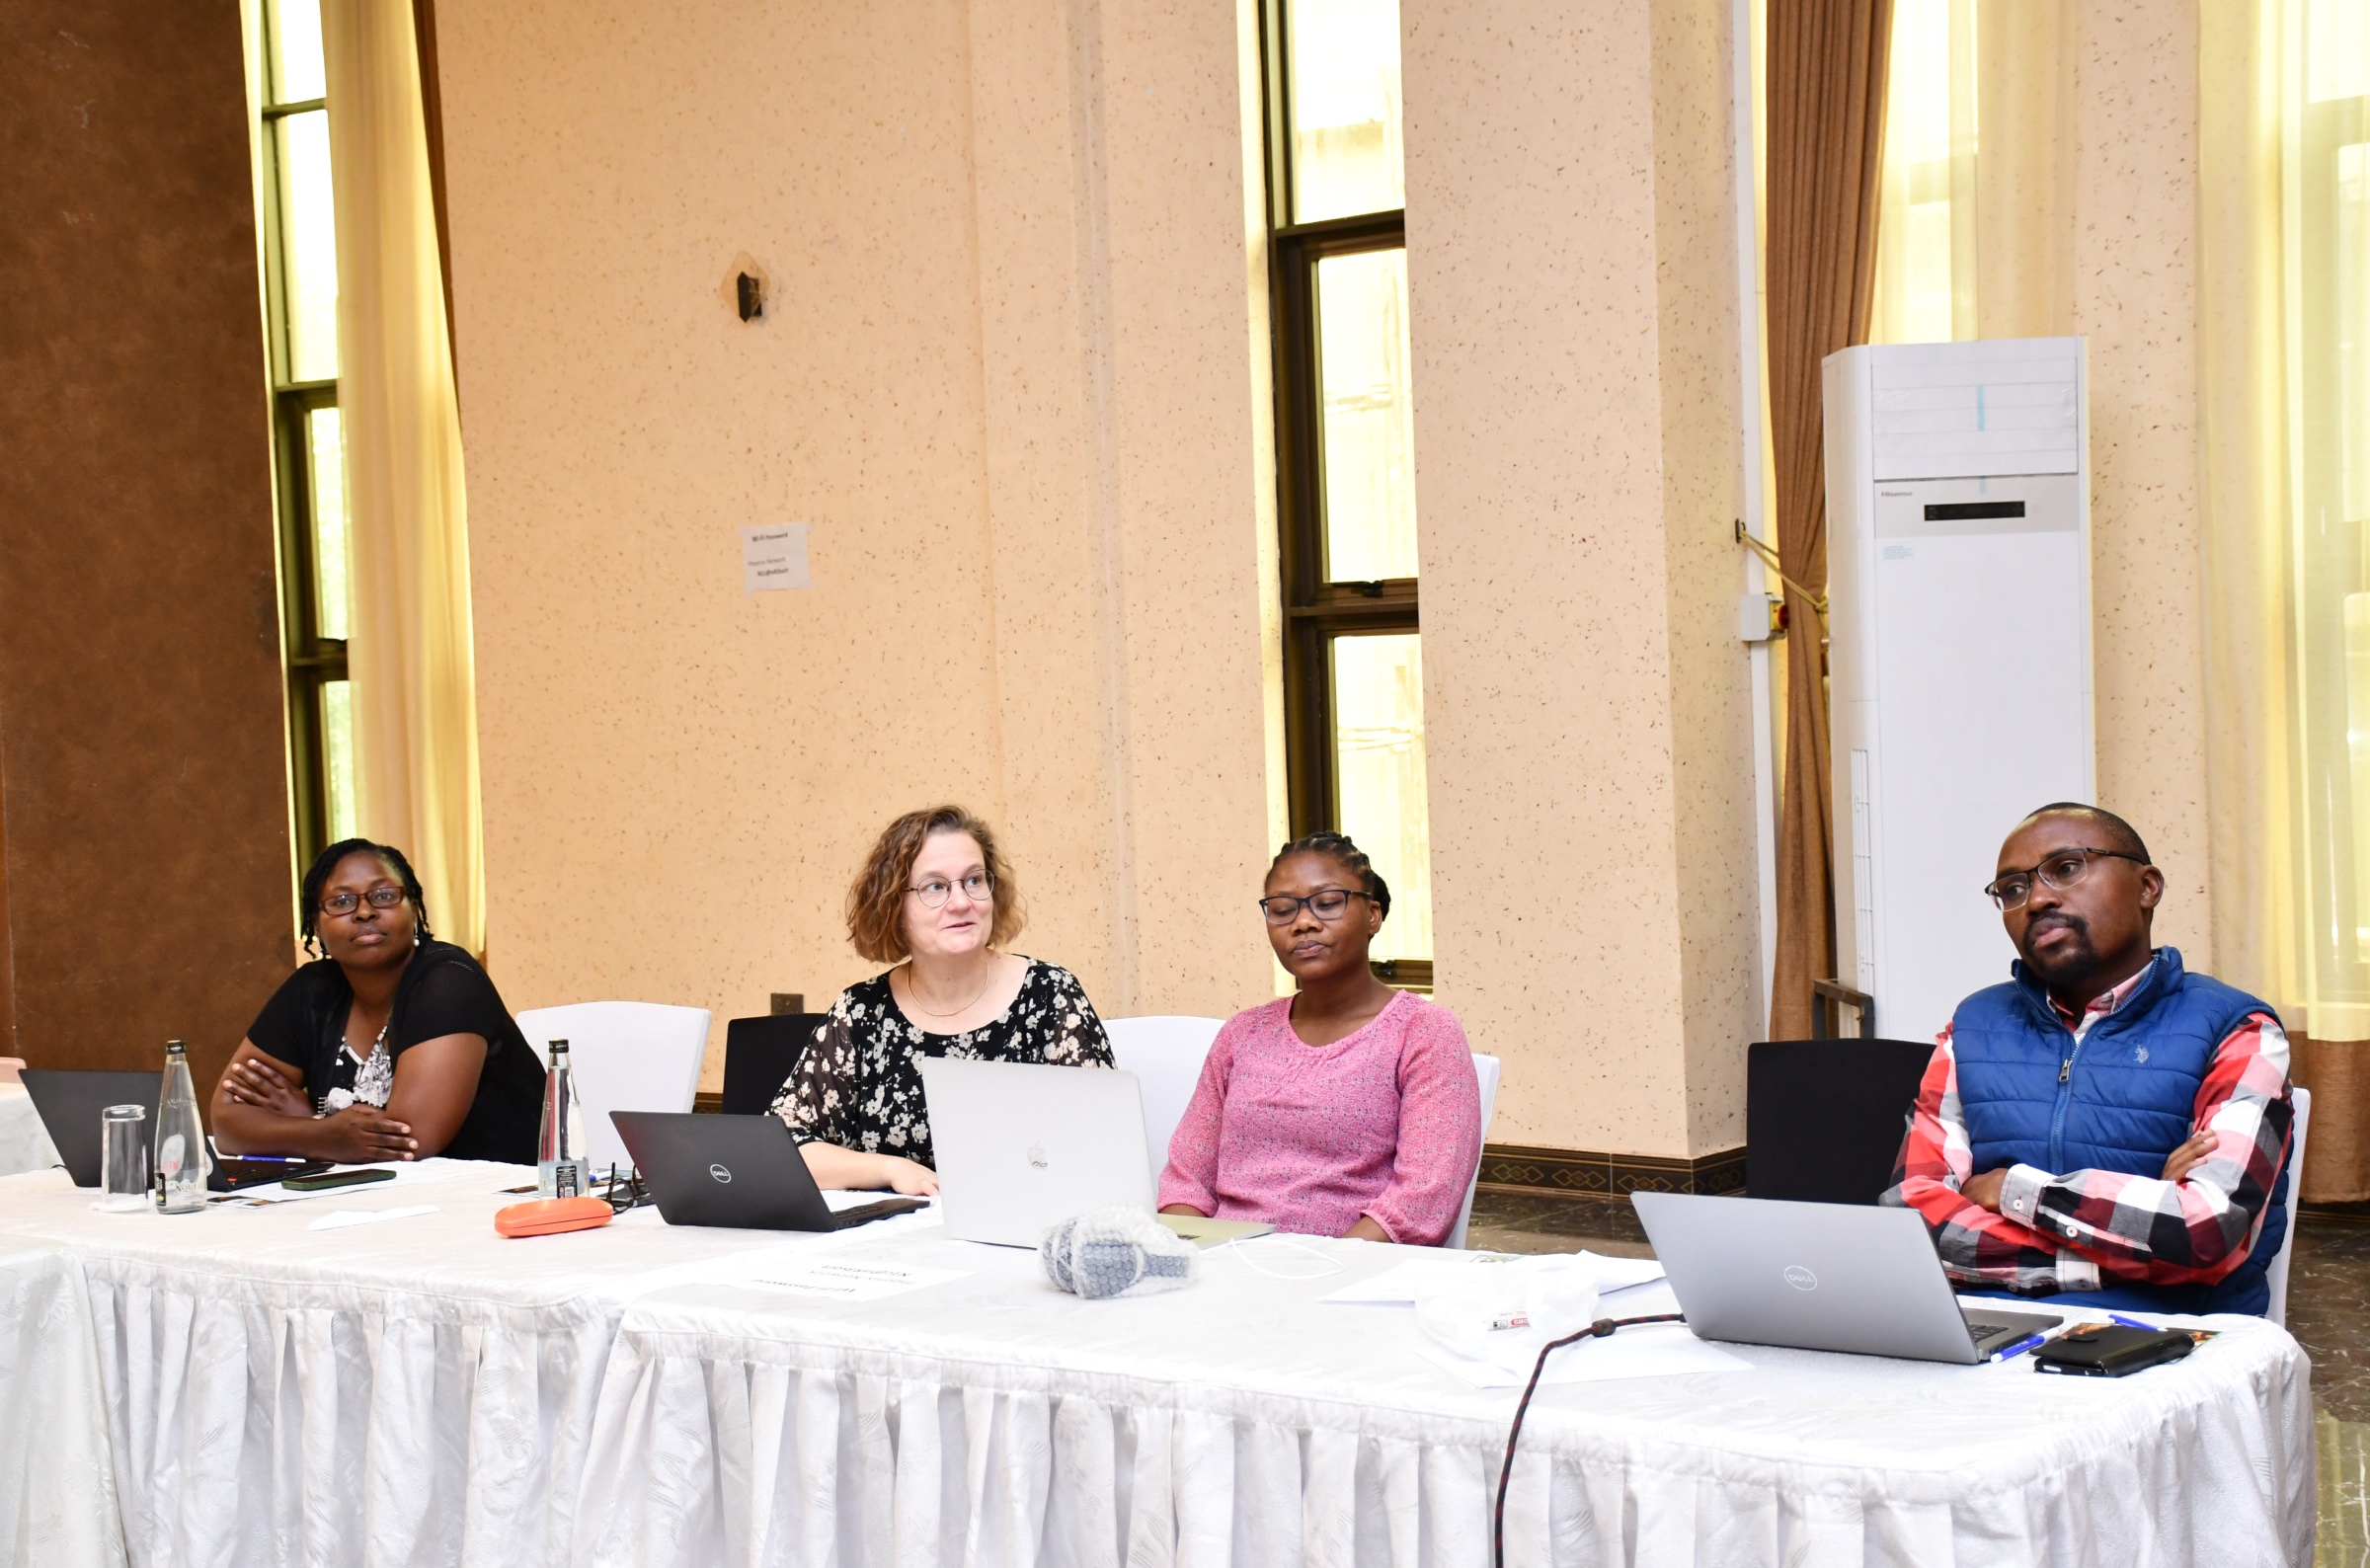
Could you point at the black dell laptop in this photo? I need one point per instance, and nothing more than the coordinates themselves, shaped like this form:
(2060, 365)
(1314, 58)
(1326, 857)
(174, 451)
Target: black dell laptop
(744, 1172)
(70, 1104)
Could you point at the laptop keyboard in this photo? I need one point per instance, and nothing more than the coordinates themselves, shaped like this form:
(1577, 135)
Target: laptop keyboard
(1996, 1331)
(864, 1213)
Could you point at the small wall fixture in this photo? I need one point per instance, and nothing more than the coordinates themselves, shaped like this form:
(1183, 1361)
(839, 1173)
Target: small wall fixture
(745, 286)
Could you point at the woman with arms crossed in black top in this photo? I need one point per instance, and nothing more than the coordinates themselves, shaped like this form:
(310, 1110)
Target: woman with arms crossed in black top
(392, 1045)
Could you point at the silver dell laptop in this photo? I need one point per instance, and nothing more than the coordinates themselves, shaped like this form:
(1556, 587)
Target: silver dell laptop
(1021, 1147)
(1820, 1277)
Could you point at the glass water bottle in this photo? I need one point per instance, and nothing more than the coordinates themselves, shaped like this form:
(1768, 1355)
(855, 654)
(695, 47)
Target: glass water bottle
(180, 1156)
(560, 1152)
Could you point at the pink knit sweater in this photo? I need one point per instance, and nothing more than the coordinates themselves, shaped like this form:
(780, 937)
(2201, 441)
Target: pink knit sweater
(1385, 1122)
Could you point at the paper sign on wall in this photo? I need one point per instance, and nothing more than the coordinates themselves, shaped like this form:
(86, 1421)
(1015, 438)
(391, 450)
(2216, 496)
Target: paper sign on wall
(774, 557)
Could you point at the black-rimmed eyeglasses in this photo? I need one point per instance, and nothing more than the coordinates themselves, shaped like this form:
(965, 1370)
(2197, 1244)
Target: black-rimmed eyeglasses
(2062, 870)
(1326, 904)
(347, 903)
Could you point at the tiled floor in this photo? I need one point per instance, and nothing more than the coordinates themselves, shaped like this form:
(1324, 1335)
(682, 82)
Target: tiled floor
(2329, 1312)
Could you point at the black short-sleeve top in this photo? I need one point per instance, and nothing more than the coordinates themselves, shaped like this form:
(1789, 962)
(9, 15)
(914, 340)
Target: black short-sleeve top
(859, 1084)
(442, 992)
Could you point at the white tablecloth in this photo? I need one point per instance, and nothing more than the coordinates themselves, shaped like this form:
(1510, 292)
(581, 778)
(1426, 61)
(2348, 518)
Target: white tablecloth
(57, 1484)
(24, 1141)
(424, 1391)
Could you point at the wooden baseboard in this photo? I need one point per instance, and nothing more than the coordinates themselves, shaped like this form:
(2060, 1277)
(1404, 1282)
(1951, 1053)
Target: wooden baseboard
(708, 1102)
(1583, 1173)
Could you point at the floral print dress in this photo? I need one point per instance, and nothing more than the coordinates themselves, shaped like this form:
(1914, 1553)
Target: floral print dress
(858, 1084)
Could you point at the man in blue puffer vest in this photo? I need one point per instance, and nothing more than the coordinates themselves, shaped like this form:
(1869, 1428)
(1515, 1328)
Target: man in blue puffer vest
(2105, 1129)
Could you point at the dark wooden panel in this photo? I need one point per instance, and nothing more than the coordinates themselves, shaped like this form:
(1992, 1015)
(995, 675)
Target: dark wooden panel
(1586, 1173)
(142, 766)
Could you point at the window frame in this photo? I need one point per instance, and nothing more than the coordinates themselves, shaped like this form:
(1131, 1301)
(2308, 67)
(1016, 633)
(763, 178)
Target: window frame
(1318, 609)
(310, 662)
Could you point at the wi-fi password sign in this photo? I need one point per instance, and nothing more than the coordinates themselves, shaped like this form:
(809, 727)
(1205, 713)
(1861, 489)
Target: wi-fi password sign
(774, 556)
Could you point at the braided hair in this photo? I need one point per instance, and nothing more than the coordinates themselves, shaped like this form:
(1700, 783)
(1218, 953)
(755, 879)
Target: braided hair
(308, 901)
(1337, 846)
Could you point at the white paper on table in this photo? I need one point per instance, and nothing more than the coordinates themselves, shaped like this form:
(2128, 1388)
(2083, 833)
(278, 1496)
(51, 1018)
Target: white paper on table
(1650, 1300)
(342, 1217)
(1399, 1286)
(407, 1173)
(841, 1280)
(1655, 1350)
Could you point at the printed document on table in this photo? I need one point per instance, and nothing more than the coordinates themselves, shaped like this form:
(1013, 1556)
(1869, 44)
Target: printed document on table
(838, 1280)
(1400, 1286)
(408, 1173)
(1652, 1350)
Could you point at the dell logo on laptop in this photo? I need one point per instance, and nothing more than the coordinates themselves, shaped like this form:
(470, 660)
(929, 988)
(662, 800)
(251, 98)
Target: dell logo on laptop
(1800, 1278)
(720, 1173)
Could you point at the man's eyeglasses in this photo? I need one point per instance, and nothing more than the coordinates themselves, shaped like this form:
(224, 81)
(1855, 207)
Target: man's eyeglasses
(934, 893)
(2061, 871)
(1326, 904)
(347, 903)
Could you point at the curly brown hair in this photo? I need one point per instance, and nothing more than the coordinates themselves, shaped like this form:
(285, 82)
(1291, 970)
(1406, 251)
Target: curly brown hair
(876, 901)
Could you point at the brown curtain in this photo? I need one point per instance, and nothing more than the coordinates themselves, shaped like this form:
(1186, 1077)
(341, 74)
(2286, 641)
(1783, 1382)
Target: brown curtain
(1826, 133)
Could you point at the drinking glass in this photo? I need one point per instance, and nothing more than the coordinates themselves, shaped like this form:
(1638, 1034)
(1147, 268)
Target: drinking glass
(124, 1159)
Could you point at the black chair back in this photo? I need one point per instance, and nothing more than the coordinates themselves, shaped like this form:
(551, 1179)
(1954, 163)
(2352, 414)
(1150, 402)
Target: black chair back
(1824, 1118)
(759, 1055)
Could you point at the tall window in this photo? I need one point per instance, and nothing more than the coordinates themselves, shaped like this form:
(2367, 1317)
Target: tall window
(2329, 341)
(1353, 658)
(1926, 228)
(300, 282)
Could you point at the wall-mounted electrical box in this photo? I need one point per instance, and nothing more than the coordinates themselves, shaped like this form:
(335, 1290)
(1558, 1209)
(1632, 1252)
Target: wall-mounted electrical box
(1958, 529)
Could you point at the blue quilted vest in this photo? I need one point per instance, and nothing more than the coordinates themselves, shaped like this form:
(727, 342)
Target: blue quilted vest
(2121, 1100)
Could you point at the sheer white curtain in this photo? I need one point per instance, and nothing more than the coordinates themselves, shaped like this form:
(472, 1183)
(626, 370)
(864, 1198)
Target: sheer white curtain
(2284, 185)
(1975, 226)
(415, 703)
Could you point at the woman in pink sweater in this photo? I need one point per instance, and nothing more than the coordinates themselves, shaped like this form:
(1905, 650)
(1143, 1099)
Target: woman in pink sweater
(1348, 1109)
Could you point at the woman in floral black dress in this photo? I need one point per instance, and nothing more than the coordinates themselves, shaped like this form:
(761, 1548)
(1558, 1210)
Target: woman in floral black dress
(936, 893)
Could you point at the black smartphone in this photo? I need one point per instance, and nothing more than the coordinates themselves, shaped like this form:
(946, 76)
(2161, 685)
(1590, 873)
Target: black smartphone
(338, 1178)
(232, 1174)
(2105, 1349)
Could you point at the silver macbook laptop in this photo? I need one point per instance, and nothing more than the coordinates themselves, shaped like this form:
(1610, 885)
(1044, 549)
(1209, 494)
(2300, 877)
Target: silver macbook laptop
(1820, 1277)
(1020, 1147)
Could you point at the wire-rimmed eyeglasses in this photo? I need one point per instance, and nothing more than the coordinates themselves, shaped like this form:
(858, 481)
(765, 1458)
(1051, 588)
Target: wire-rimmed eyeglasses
(2062, 870)
(347, 903)
(934, 893)
(1326, 903)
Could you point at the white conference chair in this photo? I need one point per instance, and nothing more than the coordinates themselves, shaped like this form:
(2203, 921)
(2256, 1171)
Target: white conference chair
(626, 1057)
(2278, 1272)
(1165, 1053)
(1485, 1068)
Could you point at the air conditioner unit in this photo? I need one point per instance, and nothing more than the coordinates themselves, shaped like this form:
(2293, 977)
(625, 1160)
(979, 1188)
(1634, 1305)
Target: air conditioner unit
(1958, 549)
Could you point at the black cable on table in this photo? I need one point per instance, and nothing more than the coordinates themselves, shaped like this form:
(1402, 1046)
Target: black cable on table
(1595, 1330)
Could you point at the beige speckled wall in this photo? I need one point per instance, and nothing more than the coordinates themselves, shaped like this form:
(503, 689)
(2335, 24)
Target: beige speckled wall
(1012, 375)
(2135, 296)
(1576, 462)
(1005, 377)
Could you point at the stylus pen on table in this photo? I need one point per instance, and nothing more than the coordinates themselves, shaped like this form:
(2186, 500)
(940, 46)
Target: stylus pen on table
(2021, 1346)
(2131, 1322)
(266, 1159)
